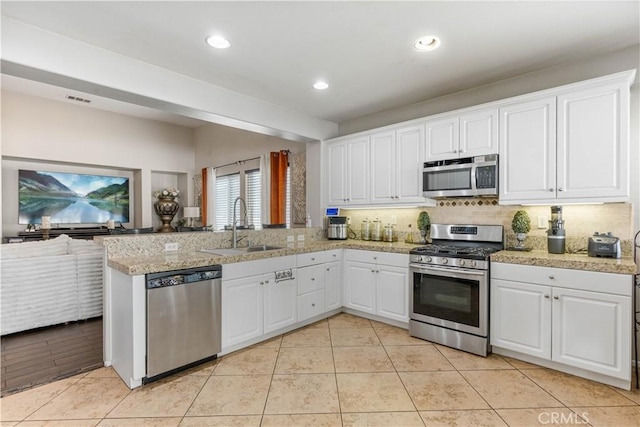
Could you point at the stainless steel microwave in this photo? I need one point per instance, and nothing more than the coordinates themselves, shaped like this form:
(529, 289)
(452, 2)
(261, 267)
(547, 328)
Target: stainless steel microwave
(470, 176)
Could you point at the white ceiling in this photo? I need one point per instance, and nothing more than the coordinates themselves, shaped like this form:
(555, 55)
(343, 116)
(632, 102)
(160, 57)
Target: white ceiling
(363, 48)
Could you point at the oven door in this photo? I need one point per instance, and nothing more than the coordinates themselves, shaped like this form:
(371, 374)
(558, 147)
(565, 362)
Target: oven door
(453, 298)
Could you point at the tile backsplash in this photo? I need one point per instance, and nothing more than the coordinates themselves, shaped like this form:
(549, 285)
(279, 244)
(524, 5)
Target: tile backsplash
(581, 221)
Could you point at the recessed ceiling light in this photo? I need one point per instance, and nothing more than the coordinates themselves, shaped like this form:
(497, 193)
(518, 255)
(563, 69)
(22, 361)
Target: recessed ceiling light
(320, 85)
(218, 42)
(427, 43)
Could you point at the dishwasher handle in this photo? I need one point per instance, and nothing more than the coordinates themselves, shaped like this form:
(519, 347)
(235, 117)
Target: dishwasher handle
(181, 277)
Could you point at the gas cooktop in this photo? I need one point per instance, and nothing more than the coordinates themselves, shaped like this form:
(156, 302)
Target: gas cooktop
(455, 251)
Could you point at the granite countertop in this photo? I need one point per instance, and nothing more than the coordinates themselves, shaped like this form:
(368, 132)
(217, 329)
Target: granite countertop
(624, 265)
(170, 261)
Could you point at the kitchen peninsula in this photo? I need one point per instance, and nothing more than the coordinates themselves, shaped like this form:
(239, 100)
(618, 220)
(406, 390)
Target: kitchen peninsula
(318, 291)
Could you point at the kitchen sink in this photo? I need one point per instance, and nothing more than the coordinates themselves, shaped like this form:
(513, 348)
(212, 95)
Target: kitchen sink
(261, 248)
(240, 251)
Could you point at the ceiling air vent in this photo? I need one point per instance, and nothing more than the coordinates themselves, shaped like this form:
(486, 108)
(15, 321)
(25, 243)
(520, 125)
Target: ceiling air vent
(78, 99)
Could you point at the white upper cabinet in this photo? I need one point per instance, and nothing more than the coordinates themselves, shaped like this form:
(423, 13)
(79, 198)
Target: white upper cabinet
(396, 165)
(468, 134)
(570, 146)
(528, 150)
(593, 143)
(348, 172)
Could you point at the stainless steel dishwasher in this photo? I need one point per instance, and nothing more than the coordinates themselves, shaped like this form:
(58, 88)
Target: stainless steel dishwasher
(183, 319)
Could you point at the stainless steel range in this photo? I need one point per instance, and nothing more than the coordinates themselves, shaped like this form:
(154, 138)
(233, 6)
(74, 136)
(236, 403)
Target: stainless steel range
(449, 294)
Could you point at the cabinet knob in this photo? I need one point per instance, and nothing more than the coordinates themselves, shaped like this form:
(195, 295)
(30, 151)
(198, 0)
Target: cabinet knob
(551, 190)
(313, 279)
(556, 297)
(313, 259)
(266, 282)
(546, 296)
(377, 271)
(461, 151)
(560, 189)
(328, 269)
(262, 283)
(313, 305)
(454, 151)
(551, 277)
(373, 271)
(334, 255)
(375, 257)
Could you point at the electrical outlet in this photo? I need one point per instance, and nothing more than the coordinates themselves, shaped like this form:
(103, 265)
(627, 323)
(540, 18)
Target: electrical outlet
(300, 237)
(348, 220)
(394, 219)
(542, 221)
(171, 246)
(290, 239)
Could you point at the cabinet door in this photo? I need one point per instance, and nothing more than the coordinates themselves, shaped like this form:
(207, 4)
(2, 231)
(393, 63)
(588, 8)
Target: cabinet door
(358, 167)
(337, 173)
(479, 133)
(591, 330)
(392, 289)
(410, 149)
(528, 151)
(241, 310)
(359, 286)
(333, 285)
(521, 317)
(442, 139)
(593, 144)
(280, 302)
(383, 186)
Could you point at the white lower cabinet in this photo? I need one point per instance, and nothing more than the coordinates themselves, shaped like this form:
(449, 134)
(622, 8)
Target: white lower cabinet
(571, 317)
(319, 283)
(377, 283)
(256, 304)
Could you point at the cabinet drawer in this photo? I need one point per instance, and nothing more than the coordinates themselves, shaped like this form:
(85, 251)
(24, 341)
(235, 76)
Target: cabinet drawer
(310, 258)
(310, 278)
(333, 255)
(620, 284)
(382, 258)
(310, 304)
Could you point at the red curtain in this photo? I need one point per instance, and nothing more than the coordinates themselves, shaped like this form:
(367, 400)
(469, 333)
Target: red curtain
(279, 165)
(203, 201)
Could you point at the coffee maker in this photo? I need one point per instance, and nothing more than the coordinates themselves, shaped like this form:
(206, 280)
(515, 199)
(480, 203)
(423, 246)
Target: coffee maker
(556, 233)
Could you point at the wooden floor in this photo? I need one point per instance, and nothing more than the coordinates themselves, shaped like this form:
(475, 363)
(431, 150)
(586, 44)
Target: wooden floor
(46, 354)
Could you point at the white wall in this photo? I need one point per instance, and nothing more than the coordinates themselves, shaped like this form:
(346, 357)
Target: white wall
(217, 145)
(81, 139)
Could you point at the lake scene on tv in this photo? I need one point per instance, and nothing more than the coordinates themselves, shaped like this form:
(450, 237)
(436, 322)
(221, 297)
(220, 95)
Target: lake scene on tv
(70, 198)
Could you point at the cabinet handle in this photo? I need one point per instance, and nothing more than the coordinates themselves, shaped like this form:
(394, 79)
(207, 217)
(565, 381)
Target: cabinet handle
(375, 257)
(546, 296)
(313, 305)
(373, 271)
(454, 151)
(556, 297)
(313, 259)
(313, 279)
(266, 282)
(262, 283)
(551, 190)
(334, 255)
(377, 271)
(551, 277)
(328, 269)
(560, 189)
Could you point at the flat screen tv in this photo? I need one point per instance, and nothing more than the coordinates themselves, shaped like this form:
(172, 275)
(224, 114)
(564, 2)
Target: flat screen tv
(71, 198)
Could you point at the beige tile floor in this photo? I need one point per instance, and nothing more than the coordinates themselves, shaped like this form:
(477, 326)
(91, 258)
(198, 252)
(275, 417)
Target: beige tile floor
(344, 371)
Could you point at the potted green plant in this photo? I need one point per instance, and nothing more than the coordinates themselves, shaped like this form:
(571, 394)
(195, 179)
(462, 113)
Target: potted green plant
(424, 222)
(521, 225)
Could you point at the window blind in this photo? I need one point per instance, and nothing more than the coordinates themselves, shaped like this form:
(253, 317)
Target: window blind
(253, 185)
(227, 189)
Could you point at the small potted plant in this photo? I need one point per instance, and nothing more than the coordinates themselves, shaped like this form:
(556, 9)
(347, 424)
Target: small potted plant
(424, 222)
(521, 225)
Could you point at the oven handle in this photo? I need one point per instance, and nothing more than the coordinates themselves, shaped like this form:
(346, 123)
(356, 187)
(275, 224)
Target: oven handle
(448, 271)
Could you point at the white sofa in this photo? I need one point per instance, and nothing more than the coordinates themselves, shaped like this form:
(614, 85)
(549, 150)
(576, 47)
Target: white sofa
(49, 282)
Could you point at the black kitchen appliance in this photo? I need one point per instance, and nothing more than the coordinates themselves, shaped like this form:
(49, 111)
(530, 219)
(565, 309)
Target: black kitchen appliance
(604, 245)
(449, 292)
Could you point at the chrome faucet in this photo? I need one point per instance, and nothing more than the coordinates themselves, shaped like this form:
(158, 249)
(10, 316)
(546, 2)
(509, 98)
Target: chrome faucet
(234, 231)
